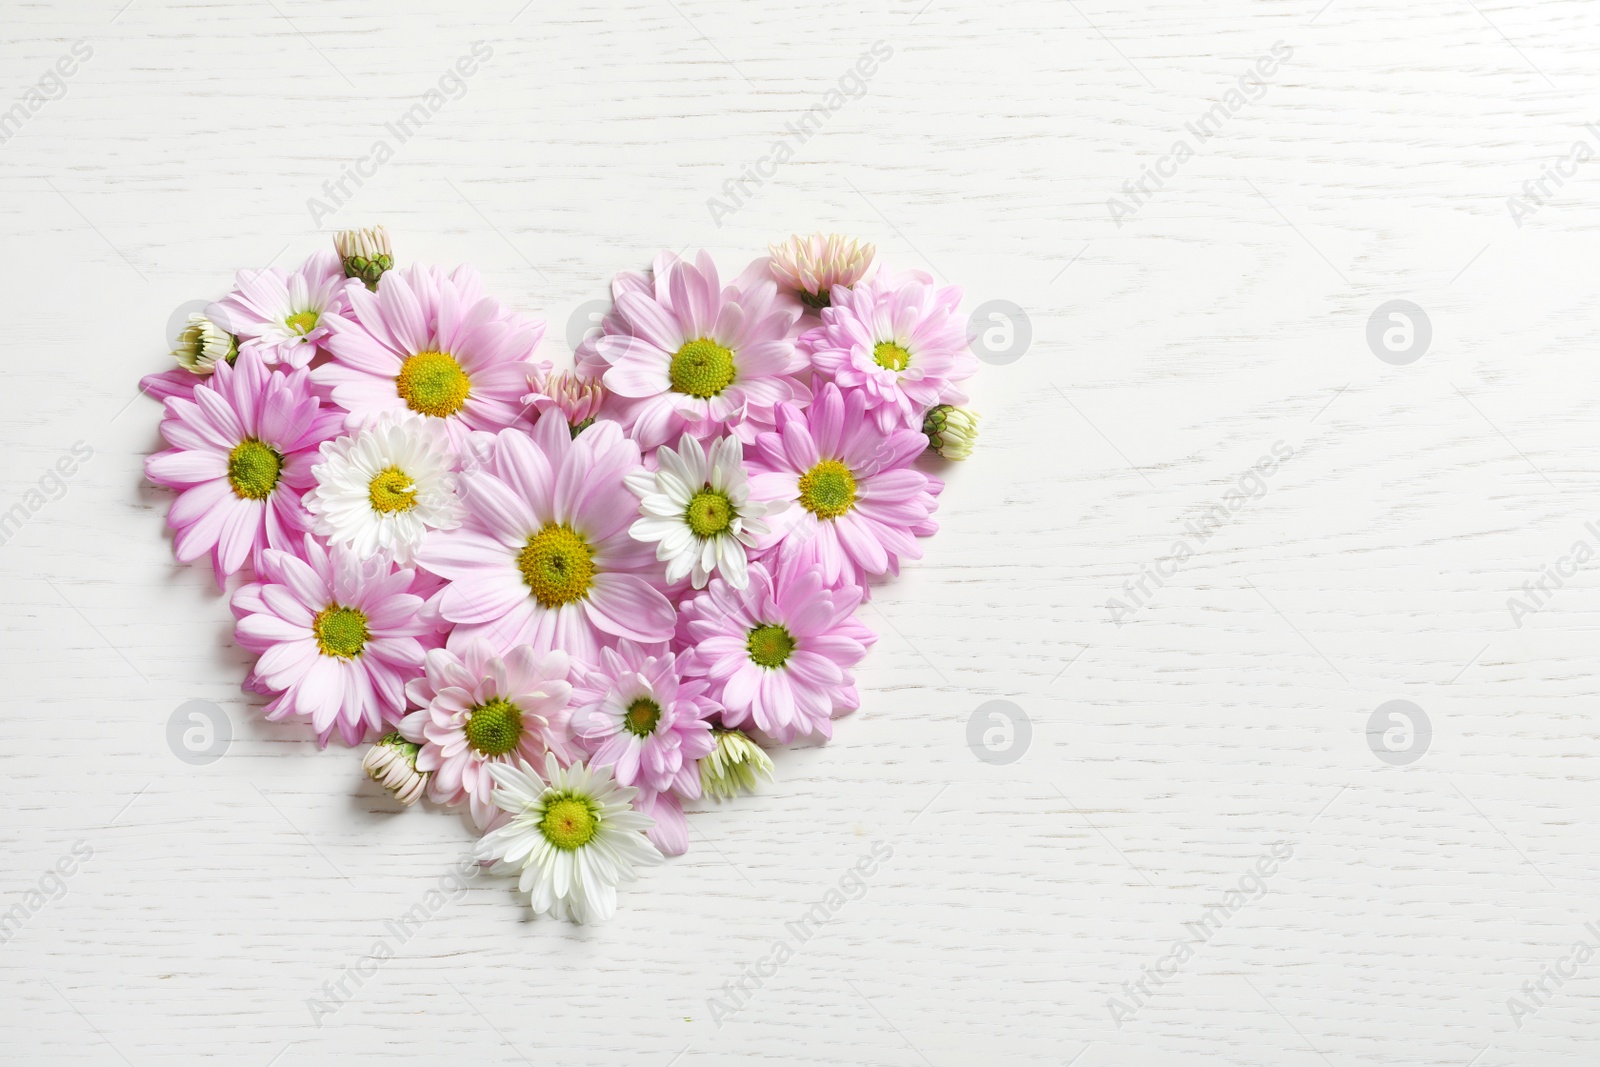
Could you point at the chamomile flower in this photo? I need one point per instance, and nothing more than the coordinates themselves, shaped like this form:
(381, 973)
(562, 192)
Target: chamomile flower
(384, 487)
(697, 508)
(574, 836)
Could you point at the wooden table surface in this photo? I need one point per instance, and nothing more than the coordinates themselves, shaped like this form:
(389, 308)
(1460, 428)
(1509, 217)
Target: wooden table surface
(1178, 843)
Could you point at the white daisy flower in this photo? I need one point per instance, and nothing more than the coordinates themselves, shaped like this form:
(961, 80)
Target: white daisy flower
(385, 486)
(698, 508)
(574, 836)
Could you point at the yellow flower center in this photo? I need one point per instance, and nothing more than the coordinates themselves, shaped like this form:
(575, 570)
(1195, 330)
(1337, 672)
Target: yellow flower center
(340, 631)
(891, 356)
(701, 368)
(828, 490)
(642, 716)
(433, 383)
(253, 469)
(770, 646)
(709, 513)
(302, 322)
(558, 565)
(391, 490)
(494, 728)
(569, 822)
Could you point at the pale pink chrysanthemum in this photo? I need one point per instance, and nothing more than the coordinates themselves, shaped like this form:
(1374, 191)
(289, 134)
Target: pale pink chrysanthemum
(544, 557)
(778, 653)
(900, 342)
(634, 712)
(431, 343)
(861, 505)
(693, 356)
(478, 708)
(811, 266)
(243, 444)
(282, 315)
(337, 637)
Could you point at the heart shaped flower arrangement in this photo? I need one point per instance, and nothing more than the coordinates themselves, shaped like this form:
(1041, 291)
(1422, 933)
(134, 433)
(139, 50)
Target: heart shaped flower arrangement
(568, 601)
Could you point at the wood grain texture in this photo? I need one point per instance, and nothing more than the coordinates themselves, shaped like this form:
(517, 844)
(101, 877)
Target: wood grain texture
(1168, 354)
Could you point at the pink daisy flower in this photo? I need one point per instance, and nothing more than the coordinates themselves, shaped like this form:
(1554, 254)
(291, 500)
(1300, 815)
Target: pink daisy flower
(861, 505)
(243, 445)
(693, 356)
(478, 709)
(338, 638)
(431, 343)
(777, 653)
(899, 341)
(637, 715)
(282, 315)
(544, 557)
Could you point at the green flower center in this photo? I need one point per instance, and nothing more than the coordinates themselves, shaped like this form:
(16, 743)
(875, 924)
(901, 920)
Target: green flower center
(340, 631)
(891, 356)
(253, 469)
(433, 383)
(770, 646)
(494, 728)
(642, 716)
(828, 490)
(558, 565)
(709, 513)
(391, 490)
(569, 822)
(302, 322)
(701, 368)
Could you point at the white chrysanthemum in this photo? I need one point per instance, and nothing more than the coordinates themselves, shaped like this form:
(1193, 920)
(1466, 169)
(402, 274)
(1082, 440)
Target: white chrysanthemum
(697, 507)
(574, 836)
(385, 486)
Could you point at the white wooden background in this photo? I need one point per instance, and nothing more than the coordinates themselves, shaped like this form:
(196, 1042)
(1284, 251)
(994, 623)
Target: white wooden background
(1167, 754)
